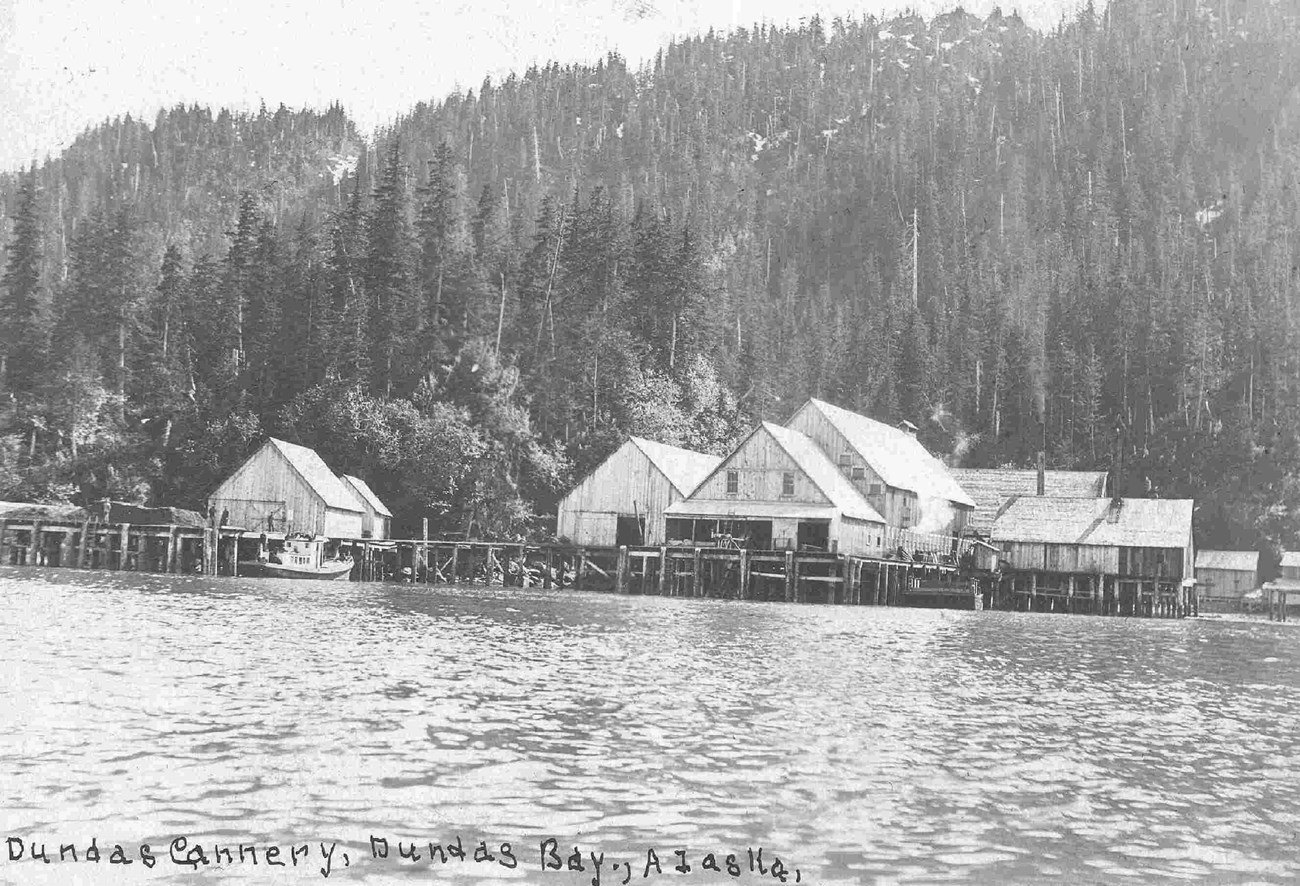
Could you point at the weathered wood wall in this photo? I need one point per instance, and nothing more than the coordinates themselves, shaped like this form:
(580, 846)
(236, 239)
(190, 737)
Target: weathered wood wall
(268, 479)
(1225, 582)
(900, 507)
(760, 464)
(858, 538)
(625, 484)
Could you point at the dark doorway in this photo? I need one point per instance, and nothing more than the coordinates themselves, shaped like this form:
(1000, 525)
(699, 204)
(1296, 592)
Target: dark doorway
(814, 535)
(630, 531)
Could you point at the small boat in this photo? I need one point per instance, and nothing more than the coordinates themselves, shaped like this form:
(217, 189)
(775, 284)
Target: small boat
(296, 556)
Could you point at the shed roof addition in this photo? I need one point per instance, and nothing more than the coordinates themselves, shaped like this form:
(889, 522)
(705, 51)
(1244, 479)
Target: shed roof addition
(991, 488)
(1231, 561)
(317, 475)
(1127, 523)
(897, 456)
(367, 494)
(684, 468)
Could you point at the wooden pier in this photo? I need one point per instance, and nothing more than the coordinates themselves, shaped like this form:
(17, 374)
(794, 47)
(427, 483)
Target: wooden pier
(667, 570)
(1096, 595)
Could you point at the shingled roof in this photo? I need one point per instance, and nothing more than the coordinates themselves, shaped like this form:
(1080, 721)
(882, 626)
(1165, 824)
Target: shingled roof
(684, 468)
(991, 488)
(1231, 561)
(1127, 523)
(317, 475)
(895, 455)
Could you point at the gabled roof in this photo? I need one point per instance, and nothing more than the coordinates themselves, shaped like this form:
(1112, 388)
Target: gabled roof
(1131, 523)
(992, 487)
(1232, 561)
(894, 454)
(317, 475)
(810, 459)
(1290, 559)
(367, 494)
(684, 468)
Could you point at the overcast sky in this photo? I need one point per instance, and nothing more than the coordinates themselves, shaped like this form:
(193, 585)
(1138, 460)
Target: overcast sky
(69, 64)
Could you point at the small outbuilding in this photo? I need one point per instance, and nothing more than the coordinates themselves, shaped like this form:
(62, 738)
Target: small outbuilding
(622, 501)
(1227, 575)
(283, 487)
(376, 520)
(778, 490)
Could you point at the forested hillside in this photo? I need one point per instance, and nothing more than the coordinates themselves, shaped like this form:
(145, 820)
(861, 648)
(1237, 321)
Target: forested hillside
(1084, 242)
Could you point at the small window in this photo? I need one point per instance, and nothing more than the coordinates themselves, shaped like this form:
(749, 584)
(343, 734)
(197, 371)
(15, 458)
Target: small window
(859, 472)
(874, 489)
(846, 459)
(733, 482)
(787, 483)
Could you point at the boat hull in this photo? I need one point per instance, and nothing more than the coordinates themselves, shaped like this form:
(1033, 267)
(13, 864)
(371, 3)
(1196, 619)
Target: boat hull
(328, 572)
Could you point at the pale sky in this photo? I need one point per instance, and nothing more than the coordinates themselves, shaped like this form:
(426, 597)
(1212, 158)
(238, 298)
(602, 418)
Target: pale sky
(69, 64)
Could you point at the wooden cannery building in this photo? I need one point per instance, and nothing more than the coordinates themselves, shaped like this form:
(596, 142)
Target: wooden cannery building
(778, 490)
(622, 501)
(1226, 575)
(376, 519)
(991, 488)
(283, 487)
(1101, 550)
(888, 466)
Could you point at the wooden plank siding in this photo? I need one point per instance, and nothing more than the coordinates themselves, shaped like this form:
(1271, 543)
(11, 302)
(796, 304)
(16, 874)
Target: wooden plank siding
(859, 538)
(900, 507)
(1064, 559)
(625, 484)
(892, 503)
(1225, 582)
(761, 464)
(267, 484)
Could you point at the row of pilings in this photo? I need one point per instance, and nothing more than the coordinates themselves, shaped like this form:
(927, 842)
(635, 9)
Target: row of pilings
(667, 570)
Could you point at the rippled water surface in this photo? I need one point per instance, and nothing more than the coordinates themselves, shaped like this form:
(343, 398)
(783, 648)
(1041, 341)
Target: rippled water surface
(858, 744)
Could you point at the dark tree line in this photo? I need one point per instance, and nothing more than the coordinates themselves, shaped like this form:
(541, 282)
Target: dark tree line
(1083, 242)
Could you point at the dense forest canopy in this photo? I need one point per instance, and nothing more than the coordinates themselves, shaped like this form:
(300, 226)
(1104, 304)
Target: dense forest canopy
(1084, 242)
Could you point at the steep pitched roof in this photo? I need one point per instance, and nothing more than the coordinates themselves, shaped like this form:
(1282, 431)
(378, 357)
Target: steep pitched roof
(991, 488)
(810, 459)
(1134, 523)
(1232, 561)
(367, 494)
(317, 475)
(897, 456)
(684, 468)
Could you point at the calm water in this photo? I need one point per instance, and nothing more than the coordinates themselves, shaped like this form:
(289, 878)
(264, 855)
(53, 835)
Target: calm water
(860, 745)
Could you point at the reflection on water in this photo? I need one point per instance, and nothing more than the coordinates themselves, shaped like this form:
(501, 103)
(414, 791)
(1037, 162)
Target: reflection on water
(861, 744)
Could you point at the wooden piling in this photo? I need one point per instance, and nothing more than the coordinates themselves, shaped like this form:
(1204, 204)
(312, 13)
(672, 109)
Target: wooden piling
(580, 569)
(65, 547)
(663, 571)
(744, 573)
(620, 572)
(696, 578)
(4, 542)
(124, 539)
(424, 552)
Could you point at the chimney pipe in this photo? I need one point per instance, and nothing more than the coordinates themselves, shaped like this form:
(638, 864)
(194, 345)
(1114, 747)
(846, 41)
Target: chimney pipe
(1042, 473)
